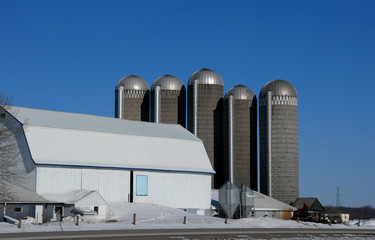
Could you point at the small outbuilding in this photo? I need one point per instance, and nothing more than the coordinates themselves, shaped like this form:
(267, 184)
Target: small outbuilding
(264, 206)
(82, 202)
(314, 209)
(23, 203)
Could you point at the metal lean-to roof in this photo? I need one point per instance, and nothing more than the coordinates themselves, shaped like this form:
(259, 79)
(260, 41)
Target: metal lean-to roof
(263, 202)
(23, 195)
(79, 140)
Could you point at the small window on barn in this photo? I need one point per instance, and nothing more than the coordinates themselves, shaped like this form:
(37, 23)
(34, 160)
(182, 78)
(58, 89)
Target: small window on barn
(142, 185)
(96, 209)
(17, 209)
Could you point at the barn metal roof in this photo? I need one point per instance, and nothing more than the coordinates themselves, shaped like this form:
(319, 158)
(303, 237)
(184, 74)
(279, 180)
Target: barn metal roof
(79, 140)
(84, 122)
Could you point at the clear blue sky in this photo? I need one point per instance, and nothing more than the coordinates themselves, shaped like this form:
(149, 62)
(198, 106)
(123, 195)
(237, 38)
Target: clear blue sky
(69, 55)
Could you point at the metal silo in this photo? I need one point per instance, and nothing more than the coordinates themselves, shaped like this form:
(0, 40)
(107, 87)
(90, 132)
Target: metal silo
(240, 137)
(278, 128)
(205, 97)
(168, 100)
(132, 99)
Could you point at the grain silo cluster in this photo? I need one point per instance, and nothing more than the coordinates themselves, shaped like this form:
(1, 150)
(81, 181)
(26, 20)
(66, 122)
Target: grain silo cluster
(227, 125)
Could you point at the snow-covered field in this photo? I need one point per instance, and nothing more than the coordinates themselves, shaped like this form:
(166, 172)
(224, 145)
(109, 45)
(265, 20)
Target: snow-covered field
(120, 216)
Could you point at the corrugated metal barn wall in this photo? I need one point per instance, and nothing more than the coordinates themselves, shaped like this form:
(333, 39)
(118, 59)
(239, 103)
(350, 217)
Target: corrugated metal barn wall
(177, 190)
(113, 185)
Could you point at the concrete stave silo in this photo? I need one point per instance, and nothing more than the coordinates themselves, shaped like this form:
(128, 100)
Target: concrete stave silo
(205, 98)
(168, 100)
(240, 137)
(278, 129)
(132, 99)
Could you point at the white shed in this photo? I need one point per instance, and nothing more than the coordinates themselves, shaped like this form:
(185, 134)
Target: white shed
(123, 160)
(84, 202)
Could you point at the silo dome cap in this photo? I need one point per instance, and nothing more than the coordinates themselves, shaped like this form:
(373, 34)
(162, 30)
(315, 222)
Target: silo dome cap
(206, 76)
(279, 88)
(240, 92)
(168, 82)
(133, 82)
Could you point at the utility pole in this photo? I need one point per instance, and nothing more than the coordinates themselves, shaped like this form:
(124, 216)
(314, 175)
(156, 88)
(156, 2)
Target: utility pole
(338, 203)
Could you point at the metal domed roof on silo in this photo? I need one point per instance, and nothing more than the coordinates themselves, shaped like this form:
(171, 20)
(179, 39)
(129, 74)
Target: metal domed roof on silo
(279, 88)
(133, 82)
(240, 92)
(206, 76)
(168, 82)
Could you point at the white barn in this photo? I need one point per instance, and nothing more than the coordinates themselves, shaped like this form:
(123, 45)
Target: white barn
(123, 160)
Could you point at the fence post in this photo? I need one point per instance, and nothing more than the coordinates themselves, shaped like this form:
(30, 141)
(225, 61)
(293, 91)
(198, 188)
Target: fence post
(134, 218)
(77, 220)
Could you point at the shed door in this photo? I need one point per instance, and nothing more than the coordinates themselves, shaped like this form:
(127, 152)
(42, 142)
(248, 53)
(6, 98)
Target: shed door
(39, 213)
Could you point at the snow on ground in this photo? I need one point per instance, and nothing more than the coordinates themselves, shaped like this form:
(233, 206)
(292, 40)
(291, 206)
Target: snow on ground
(150, 216)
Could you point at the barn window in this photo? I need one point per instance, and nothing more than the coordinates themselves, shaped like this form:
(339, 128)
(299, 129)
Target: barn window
(17, 209)
(96, 209)
(142, 188)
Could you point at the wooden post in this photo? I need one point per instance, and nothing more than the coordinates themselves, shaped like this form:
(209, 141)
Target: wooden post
(77, 220)
(20, 223)
(226, 220)
(185, 220)
(134, 218)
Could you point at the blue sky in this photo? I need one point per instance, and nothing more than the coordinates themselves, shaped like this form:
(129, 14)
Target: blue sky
(69, 55)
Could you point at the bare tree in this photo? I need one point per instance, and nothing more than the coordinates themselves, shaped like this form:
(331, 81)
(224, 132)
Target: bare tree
(9, 150)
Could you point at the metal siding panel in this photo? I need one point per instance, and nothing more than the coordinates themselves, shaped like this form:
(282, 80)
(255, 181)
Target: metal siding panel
(82, 148)
(57, 180)
(177, 190)
(112, 185)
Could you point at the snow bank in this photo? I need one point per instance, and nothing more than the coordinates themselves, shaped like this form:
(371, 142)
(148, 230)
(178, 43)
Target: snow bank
(150, 216)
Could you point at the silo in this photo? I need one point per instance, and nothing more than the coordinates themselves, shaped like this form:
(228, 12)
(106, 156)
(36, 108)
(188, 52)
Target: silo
(205, 97)
(240, 137)
(132, 99)
(278, 129)
(168, 100)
